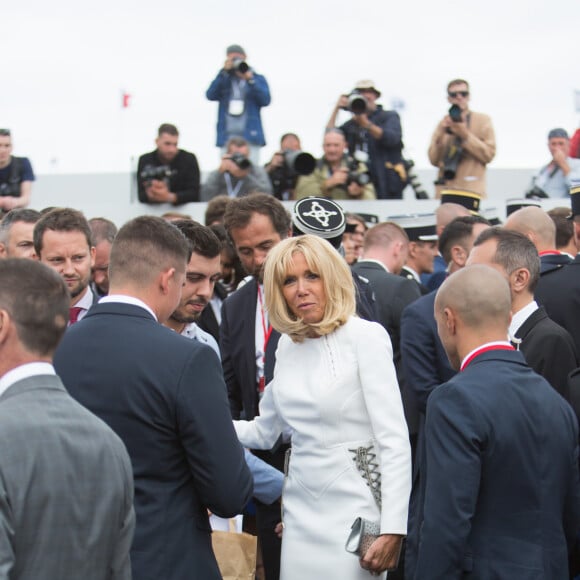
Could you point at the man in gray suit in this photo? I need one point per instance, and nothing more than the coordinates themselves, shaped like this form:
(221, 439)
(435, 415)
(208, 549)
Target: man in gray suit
(66, 488)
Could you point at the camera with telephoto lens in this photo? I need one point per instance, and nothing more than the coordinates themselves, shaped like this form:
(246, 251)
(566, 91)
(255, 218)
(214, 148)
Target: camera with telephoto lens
(241, 160)
(158, 172)
(357, 104)
(355, 175)
(455, 113)
(240, 65)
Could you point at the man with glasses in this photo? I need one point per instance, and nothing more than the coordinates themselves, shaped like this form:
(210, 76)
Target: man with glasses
(463, 143)
(16, 176)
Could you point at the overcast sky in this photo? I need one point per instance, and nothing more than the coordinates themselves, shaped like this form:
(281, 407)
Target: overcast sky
(66, 64)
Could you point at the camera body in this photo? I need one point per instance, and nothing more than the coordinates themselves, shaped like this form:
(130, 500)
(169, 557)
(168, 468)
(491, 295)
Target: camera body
(536, 193)
(455, 113)
(355, 175)
(240, 160)
(240, 65)
(357, 104)
(158, 172)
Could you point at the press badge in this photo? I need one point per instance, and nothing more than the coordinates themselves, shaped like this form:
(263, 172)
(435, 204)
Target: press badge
(236, 107)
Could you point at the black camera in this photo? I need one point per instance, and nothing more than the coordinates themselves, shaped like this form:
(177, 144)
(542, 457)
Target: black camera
(241, 160)
(451, 160)
(413, 180)
(357, 104)
(159, 172)
(240, 65)
(355, 175)
(536, 193)
(455, 113)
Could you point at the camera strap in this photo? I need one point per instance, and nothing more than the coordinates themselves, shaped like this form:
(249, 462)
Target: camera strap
(232, 190)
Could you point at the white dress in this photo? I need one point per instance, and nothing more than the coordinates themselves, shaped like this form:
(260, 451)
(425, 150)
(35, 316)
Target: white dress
(336, 393)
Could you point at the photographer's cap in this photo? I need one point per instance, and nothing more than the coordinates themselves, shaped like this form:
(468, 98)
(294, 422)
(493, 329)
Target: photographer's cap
(558, 133)
(233, 48)
(512, 205)
(575, 200)
(321, 217)
(367, 85)
(468, 199)
(418, 227)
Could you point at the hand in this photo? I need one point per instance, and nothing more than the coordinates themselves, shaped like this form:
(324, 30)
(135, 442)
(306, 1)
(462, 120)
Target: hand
(276, 161)
(560, 158)
(228, 64)
(279, 529)
(361, 120)
(339, 177)
(227, 165)
(342, 102)
(458, 129)
(158, 192)
(248, 75)
(383, 554)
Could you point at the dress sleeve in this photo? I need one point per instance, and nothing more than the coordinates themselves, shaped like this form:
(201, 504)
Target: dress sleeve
(263, 431)
(385, 409)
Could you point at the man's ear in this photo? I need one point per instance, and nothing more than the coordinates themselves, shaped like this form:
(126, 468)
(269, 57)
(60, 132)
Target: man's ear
(5, 324)
(459, 255)
(450, 321)
(165, 278)
(519, 279)
(3, 252)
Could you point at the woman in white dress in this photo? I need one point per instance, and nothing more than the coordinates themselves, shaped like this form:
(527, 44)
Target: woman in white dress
(335, 389)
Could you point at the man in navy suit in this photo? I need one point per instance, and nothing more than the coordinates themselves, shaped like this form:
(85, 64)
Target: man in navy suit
(164, 395)
(502, 494)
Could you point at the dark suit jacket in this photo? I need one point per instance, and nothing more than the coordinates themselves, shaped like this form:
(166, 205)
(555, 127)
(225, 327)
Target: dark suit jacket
(551, 262)
(66, 488)
(559, 293)
(392, 294)
(502, 496)
(425, 367)
(548, 349)
(409, 276)
(164, 396)
(207, 320)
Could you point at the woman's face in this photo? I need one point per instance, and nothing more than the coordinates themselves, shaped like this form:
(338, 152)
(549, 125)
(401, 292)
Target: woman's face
(303, 291)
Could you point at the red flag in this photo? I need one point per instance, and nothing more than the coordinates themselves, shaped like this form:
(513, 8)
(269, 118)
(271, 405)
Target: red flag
(125, 100)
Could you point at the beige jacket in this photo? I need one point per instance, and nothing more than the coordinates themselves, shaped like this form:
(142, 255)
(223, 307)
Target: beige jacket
(478, 151)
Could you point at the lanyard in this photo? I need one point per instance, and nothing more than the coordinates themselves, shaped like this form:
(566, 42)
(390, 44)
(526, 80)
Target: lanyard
(483, 349)
(267, 332)
(232, 191)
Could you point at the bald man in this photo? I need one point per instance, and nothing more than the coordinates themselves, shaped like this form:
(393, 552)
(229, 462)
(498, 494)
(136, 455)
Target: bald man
(540, 228)
(502, 496)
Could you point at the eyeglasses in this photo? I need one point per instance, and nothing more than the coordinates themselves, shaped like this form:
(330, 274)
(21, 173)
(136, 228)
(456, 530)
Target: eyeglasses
(4, 132)
(454, 94)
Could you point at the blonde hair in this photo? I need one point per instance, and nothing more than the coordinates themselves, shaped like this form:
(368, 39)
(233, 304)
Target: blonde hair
(336, 278)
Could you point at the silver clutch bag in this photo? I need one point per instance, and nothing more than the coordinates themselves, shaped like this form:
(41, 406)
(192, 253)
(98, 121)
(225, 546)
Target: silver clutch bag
(362, 534)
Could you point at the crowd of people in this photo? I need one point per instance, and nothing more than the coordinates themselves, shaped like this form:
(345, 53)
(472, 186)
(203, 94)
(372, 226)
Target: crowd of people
(375, 397)
(408, 391)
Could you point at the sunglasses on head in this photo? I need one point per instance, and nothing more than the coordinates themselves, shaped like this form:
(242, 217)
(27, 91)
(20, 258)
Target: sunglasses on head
(454, 94)
(4, 132)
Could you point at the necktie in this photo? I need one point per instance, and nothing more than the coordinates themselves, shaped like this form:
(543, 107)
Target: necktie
(73, 314)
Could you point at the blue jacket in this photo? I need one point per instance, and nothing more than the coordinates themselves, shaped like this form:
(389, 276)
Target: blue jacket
(257, 96)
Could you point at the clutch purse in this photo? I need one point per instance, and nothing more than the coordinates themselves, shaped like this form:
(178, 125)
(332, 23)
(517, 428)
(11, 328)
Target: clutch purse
(363, 533)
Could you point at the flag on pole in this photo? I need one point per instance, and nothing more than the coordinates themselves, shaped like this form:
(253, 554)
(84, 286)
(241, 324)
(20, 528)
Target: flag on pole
(125, 99)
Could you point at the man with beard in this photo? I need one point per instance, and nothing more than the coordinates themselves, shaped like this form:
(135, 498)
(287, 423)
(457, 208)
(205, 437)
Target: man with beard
(62, 241)
(203, 271)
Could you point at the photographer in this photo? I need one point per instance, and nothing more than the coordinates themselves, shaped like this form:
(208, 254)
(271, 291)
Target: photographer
(283, 181)
(241, 93)
(337, 175)
(374, 137)
(16, 176)
(237, 175)
(168, 174)
(556, 178)
(463, 144)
